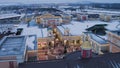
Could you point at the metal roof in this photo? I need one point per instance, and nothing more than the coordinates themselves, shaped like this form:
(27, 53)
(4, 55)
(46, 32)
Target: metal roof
(12, 46)
(98, 39)
(5, 16)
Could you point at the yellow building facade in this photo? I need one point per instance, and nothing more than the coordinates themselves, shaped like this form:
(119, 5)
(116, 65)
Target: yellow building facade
(115, 42)
(48, 19)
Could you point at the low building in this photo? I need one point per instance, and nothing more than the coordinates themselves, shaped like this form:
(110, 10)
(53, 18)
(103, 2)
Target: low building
(99, 45)
(66, 18)
(9, 18)
(105, 17)
(115, 16)
(82, 17)
(12, 51)
(93, 16)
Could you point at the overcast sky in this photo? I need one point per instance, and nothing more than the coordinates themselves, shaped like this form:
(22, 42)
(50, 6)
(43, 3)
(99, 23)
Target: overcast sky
(57, 1)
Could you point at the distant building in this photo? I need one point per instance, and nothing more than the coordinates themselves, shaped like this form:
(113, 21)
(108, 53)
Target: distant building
(82, 17)
(66, 18)
(9, 18)
(93, 16)
(48, 19)
(105, 17)
(115, 16)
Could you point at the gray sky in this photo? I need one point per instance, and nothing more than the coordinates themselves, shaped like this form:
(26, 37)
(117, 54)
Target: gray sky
(57, 1)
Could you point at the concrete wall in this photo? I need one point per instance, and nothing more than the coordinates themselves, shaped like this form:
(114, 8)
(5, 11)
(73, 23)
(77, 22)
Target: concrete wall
(6, 64)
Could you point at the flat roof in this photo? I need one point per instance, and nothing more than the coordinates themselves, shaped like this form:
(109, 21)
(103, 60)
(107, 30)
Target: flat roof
(33, 29)
(113, 26)
(77, 28)
(12, 46)
(98, 39)
(110, 60)
(4, 16)
(39, 32)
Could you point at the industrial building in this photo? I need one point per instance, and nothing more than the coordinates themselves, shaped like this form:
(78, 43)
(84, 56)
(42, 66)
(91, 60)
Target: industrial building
(9, 18)
(12, 51)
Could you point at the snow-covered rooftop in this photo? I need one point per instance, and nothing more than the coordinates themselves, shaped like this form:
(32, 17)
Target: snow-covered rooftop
(33, 30)
(113, 26)
(103, 11)
(99, 39)
(77, 28)
(13, 46)
(32, 42)
(3, 16)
